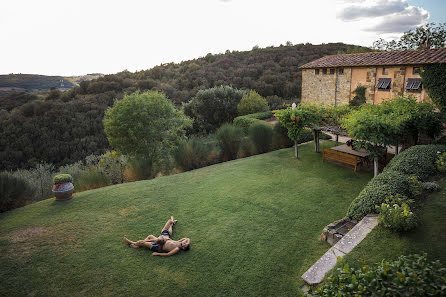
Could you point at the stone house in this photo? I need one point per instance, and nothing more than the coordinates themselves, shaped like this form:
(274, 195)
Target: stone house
(331, 80)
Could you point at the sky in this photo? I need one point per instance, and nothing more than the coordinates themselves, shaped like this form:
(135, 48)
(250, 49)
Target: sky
(62, 37)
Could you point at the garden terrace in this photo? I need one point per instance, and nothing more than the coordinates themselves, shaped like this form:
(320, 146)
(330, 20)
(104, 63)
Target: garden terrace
(254, 225)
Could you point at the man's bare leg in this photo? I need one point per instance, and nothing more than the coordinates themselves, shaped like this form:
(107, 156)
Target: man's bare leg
(131, 243)
(151, 238)
(168, 225)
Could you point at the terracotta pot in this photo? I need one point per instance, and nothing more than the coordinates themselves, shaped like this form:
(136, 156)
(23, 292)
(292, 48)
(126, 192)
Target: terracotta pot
(63, 191)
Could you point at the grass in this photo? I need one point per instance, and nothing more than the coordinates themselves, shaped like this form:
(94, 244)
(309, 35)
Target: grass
(254, 225)
(430, 236)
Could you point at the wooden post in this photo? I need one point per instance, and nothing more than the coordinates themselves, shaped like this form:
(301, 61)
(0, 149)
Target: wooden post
(396, 148)
(337, 139)
(316, 140)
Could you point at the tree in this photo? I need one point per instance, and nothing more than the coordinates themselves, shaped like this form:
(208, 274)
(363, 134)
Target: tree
(295, 119)
(374, 127)
(252, 102)
(434, 35)
(212, 107)
(434, 77)
(145, 125)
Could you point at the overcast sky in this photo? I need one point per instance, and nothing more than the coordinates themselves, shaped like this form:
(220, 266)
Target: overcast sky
(60, 37)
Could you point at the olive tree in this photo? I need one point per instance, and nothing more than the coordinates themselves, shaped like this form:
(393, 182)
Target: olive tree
(145, 125)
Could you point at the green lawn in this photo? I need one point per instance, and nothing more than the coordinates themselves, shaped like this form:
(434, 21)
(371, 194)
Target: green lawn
(254, 224)
(429, 237)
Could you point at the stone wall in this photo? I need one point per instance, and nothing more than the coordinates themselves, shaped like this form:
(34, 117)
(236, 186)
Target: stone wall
(344, 87)
(321, 88)
(331, 89)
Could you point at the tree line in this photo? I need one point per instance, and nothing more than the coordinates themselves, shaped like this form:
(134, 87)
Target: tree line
(64, 127)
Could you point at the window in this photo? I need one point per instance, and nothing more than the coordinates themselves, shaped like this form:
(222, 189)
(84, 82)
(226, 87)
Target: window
(332, 71)
(385, 71)
(341, 71)
(414, 85)
(324, 71)
(416, 70)
(384, 84)
(316, 71)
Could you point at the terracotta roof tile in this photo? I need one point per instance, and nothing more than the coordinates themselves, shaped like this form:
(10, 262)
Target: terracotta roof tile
(408, 57)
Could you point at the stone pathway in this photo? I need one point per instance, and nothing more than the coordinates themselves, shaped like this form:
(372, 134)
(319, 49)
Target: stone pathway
(316, 273)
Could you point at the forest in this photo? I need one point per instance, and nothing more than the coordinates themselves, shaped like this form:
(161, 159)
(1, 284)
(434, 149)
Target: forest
(64, 127)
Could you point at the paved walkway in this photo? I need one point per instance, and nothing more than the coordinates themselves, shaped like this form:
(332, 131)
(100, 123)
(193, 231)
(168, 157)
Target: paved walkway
(316, 273)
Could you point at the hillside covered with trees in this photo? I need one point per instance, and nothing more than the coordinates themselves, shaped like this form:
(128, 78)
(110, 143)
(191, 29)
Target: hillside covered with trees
(64, 127)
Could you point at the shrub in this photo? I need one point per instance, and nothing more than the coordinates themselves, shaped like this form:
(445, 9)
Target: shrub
(415, 186)
(247, 148)
(211, 108)
(252, 102)
(90, 180)
(280, 137)
(431, 187)
(194, 153)
(395, 214)
(441, 163)
(62, 178)
(418, 160)
(139, 168)
(261, 135)
(260, 115)
(244, 122)
(384, 185)
(14, 192)
(229, 139)
(359, 97)
(112, 165)
(39, 179)
(411, 275)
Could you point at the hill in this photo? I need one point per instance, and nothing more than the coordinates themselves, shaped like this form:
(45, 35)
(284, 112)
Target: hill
(40, 83)
(65, 127)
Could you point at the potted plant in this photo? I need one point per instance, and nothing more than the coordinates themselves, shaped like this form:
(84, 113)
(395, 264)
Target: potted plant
(63, 187)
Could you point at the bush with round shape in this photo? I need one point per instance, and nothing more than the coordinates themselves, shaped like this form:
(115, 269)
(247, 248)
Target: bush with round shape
(431, 187)
(62, 178)
(418, 160)
(384, 185)
(210, 108)
(145, 124)
(261, 135)
(229, 139)
(411, 275)
(252, 102)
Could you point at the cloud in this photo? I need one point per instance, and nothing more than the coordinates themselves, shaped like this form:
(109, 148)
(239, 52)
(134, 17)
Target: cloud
(411, 17)
(392, 16)
(377, 9)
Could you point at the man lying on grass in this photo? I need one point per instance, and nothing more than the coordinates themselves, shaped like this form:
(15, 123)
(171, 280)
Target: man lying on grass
(163, 243)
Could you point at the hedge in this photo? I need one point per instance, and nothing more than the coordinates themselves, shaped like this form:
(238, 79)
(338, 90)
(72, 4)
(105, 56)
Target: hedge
(418, 161)
(376, 192)
(246, 121)
(412, 275)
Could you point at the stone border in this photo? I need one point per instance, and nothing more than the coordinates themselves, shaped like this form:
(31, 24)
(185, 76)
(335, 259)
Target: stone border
(317, 272)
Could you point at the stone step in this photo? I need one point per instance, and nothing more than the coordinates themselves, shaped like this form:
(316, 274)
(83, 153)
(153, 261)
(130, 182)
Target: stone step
(317, 272)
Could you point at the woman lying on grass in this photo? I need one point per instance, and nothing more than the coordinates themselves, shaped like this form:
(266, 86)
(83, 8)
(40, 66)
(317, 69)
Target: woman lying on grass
(163, 243)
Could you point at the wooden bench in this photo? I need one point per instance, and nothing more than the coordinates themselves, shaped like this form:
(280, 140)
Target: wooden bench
(341, 157)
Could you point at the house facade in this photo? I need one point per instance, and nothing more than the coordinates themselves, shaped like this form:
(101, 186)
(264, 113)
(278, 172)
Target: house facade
(332, 80)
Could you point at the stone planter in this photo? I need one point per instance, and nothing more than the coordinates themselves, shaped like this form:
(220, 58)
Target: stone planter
(63, 191)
